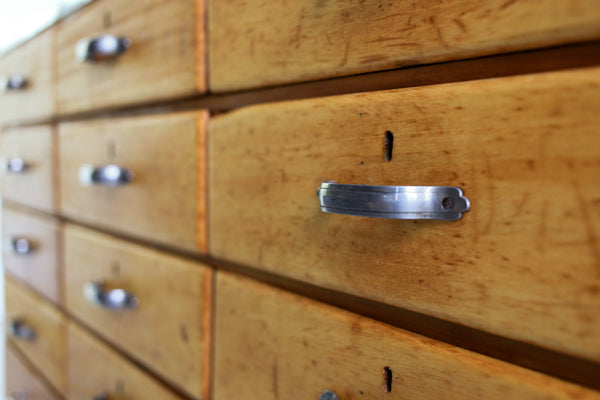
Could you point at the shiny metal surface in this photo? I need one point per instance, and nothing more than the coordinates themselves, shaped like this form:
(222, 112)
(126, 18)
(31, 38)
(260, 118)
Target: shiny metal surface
(21, 245)
(109, 175)
(16, 165)
(394, 202)
(328, 395)
(14, 82)
(101, 48)
(20, 330)
(114, 299)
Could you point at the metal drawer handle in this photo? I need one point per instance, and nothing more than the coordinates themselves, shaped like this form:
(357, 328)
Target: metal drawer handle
(115, 299)
(108, 175)
(14, 82)
(22, 246)
(395, 202)
(17, 165)
(328, 395)
(101, 48)
(20, 330)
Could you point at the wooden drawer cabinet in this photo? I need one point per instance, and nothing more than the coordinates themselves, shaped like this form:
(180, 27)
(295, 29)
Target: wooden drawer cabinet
(31, 251)
(23, 383)
(164, 60)
(165, 155)
(294, 347)
(166, 325)
(37, 329)
(268, 42)
(28, 167)
(522, 263)
(30, 93)
(97, 370)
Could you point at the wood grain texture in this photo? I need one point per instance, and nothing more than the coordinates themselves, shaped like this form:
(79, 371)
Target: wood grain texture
(169, 330)
(35, 61)
(48, 350)
(263, 42)
(523, 263)
(161, 204)
(271, 344)
(94, 368)
(22, 380)
(163, 62)
(36, 186)
(40, 269)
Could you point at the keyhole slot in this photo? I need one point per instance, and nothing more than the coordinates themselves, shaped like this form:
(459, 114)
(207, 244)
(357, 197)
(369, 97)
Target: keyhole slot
(387, 379)
(388, 145)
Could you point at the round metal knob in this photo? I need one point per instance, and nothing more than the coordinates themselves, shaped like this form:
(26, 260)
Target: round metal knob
(108, 175)
(101, 48)
(20, 330)
(22, 246)
(14, 82)
(328, 395)
(115, 299)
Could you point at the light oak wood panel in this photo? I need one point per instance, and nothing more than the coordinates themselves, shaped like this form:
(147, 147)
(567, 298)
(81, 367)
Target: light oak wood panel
(261, 43)
(23, 381)
(48, 349)
(35, 61)
(522, 263)
(36, 185)
(94, 368)
(170, 330)
(161, 203)
(41, 268)
(271, 344)
(165, 60)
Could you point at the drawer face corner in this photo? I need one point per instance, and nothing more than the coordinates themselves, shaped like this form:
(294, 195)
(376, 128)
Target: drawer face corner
(166, 157)
(22, 380)
(272, 344)
(283, 42)
(94, 368)
(169, 329)
(164, 60)
(47, 349)
(36, 262)
(28, 167)
(510, 266)
(33, 61)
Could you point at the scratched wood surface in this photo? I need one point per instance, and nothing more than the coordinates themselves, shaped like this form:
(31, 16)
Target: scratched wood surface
(41, 268)
(170, 330)
(270, 344)
(23, 380)
(48, 350)
(265, 42)
(96, 369)
(161, 203)
(36, 186)
(35, 61)
(523, 263)
(165, 60)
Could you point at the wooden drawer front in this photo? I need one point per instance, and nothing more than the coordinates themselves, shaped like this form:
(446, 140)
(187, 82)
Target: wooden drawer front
(271, 42)
(27, 167)
(169, 329)
(96, 369)
(522, 263)
(166, 156)
(270, 344)
(33, 62)
(22, 382)
(47, 349)
(165, 58)
(39, 267)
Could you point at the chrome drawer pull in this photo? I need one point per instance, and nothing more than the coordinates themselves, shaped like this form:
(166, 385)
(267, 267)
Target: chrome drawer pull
(14, 82)
(395, 202)
(20, 330)
(109, 175)
(101, 48)
(17, 165)
(328, 395)
(22, 246)
(115, 299)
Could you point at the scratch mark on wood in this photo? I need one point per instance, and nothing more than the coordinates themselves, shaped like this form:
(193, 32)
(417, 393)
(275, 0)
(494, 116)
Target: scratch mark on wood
(507, 4)
(276, 379)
